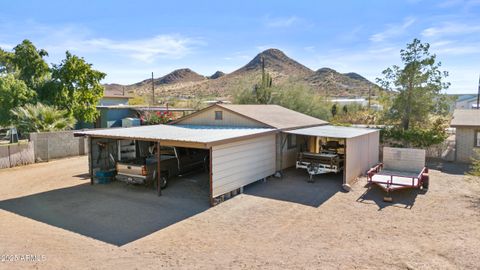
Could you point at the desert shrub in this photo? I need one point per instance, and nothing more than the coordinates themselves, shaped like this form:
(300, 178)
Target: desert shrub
(415, 136)
(475, 167)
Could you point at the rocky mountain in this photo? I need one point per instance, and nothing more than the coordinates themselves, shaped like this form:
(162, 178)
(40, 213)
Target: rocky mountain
(217, 75)
(187, 83)
(333, 83)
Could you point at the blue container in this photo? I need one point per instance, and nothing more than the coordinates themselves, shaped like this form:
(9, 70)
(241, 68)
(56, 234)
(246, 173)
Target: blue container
(104, 177)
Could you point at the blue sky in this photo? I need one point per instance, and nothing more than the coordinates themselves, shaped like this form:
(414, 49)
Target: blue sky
(130, 39)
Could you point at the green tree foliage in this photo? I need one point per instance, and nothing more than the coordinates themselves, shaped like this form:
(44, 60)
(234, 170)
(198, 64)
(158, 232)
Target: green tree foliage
(418, 107)
(72, 85)
(13, 94)
(295, 96)
(6, 64)
(29, 64)
(40, 117)
(76, 87)
(418, 85)
(345, 109)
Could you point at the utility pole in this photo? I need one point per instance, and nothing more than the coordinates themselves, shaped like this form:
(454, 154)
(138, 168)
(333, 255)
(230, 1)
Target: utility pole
(123, 91)
(369, 96)
(478, 95)
(153, 92)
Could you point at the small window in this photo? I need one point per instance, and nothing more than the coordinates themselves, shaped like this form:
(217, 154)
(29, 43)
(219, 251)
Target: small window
(291, 141)
(477, 138)
(218, 115)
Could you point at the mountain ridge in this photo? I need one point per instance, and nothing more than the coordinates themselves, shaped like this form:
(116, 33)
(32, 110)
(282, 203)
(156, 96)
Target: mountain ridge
(185, 82)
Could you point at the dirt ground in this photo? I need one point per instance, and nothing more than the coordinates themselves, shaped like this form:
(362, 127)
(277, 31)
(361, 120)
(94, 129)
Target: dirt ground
(48, 210)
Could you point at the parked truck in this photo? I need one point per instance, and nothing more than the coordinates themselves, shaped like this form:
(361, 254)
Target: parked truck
(174, 161)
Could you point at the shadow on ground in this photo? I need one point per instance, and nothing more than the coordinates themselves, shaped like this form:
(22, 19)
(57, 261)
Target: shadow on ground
(454, 168)
(114, 213)
(402, 198)
(293, 187)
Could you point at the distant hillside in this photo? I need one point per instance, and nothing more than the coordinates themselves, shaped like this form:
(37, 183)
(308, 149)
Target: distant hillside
(333, 83)
(216, 75)
(187, 83)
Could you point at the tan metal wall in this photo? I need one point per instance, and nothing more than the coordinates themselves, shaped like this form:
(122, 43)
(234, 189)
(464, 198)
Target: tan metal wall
(237, 164)
(464, 143)
(403, 159)
(207, 117)
(287, 158)
(361, 154)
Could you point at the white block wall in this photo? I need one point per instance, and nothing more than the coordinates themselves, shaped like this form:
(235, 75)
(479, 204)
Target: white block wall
(403, 159)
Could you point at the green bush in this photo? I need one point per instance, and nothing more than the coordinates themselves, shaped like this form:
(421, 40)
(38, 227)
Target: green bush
(40, 117)
(475, 167)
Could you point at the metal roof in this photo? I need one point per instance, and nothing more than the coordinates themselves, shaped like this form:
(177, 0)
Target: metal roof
(466, 118)
(270, 115)
(203, 135)
(274, 115)
(333, 131)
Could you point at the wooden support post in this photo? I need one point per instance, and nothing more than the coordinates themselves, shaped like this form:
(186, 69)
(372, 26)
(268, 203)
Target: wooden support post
(159, 174)
(90, 158)
(210, 173)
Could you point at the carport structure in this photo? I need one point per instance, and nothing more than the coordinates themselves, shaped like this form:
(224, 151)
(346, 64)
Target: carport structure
(238, 156)
(361, 146)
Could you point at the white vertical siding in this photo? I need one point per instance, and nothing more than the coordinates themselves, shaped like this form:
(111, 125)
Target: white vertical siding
(237, 164)
(361, 154)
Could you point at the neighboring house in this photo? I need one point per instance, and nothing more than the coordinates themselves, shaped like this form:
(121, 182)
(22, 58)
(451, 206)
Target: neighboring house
(466, 102)
(248, 142)
(112, 115)
(467, 134)
(109, 100)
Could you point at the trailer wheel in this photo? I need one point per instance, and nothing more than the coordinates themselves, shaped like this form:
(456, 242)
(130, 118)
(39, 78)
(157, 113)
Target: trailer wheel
(425, 182)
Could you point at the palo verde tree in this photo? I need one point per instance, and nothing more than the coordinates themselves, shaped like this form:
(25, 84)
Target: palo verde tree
(76, 87)
(417, 86)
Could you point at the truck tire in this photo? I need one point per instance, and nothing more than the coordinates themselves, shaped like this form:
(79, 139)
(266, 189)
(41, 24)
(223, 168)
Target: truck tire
(163, 180)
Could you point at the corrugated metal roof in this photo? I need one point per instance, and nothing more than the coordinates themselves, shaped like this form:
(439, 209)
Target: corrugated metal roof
(332, 131)
(274, 115)
(466, 118)
(180, 133)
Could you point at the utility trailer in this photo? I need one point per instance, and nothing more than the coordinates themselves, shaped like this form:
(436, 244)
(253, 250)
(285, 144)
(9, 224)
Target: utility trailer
(402, 168)
(320, 163)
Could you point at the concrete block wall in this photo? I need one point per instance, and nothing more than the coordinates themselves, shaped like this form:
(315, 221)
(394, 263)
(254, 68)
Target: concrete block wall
(17, 154)
(464, 143)
(58, 144)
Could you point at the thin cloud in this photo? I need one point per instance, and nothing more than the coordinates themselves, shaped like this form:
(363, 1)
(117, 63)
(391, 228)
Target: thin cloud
(450, 29)
(393, 30)
(147, 50)
(282, 22)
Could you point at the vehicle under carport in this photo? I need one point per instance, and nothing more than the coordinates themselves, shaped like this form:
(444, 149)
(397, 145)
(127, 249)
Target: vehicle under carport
(237, 156)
